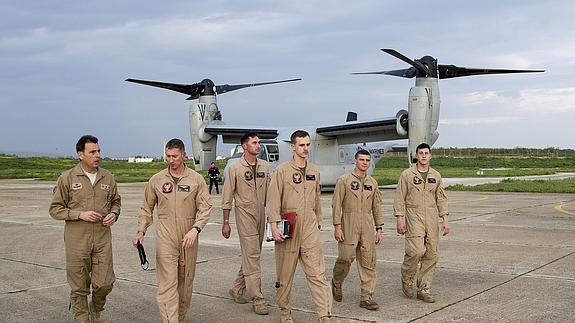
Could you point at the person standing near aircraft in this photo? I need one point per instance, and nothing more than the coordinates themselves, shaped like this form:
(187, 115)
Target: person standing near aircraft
(295, 188)
(214, 174)
(421, 200)
(86, 197)
(356, 208)
(246, 185)
(184, 206)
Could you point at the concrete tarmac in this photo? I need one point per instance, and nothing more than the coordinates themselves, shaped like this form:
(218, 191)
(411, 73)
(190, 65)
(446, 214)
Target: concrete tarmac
(509, 258)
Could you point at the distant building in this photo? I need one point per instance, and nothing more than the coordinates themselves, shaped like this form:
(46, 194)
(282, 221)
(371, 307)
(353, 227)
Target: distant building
(140, 159)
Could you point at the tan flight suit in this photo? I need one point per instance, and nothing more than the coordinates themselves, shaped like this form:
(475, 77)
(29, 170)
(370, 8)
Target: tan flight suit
(248, 191)
(292, 191)
(421, 203)
(88, 245)
(181, 206)
(357, 208)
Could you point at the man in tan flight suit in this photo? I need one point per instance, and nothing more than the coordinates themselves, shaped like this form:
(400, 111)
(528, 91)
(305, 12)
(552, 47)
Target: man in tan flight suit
(246, 185)
(183, 202)
(86, 197)
(295, 187)
(421, 200)
(356, 208)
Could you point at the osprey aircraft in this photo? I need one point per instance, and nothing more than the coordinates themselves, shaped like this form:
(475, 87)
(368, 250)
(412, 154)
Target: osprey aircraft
(333, 146)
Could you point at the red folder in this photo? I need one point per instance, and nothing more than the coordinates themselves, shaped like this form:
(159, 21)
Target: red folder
(291, 218)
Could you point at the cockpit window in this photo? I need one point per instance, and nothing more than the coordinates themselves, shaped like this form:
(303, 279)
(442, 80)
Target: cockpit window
(262, 154)
(238, 151)
(273, 149)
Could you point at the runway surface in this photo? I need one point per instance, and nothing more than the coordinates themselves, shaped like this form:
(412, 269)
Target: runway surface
(509, 258)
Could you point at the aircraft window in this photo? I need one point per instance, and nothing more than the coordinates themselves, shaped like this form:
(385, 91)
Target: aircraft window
(273, 153)
(272, 149)
(238, 152)
(262, 154)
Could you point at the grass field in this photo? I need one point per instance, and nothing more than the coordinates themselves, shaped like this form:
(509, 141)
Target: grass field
(386, 172)
(510, 185)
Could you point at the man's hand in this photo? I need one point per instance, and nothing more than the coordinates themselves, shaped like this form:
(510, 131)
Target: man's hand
(139, 237)
(90, 216)
(190, 238)
(109, 220)
(445, 226)
(278, 236)
(378, 236)
(338, 233)
(226, 230)
(400, 225)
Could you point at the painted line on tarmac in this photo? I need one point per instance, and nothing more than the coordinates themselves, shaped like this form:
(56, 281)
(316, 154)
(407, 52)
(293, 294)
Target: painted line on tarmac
(551, 277)
(525, 274)
(499, 211)
(559, 207)
(480, 198)
(33, 224)
(31, 289)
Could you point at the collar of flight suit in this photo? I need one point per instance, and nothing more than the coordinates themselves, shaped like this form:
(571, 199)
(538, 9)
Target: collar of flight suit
(245, 163)
(187, 172)
(79, 171)
(295, 166)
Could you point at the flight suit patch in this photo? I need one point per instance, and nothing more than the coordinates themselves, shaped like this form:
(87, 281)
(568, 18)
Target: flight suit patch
(167, 187)
(76, 186)
(310, 177)
(183, 188)
(367, 187)
(248, 175)
(105, 187)
(417, 180)
(354, 185)
(431, 180)
(296, 177)
(260, 174)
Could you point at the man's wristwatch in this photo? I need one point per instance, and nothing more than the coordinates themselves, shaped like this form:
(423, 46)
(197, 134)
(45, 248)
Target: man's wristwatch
(117, 216)
(197, 228)
(378, 228)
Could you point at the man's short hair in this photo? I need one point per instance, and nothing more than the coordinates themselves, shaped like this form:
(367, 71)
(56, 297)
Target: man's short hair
(176, 143)
(298, 134)
(81, 144)
(245, 138)
(362, 152)
(422, 146)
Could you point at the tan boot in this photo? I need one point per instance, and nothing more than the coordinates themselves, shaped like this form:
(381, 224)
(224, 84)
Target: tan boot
(96, 318)
(286, 318)
(369, 304)
(238, 298)
(327, 319)
(425, 296)
(407, 287)
(336, 291)
(260, 307)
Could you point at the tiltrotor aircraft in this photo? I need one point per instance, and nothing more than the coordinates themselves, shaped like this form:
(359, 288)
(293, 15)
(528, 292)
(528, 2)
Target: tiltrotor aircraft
(333, 146)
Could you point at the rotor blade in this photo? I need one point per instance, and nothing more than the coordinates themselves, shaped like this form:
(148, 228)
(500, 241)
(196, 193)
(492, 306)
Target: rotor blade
(191, 89)
(451, 71)
(228, 88)
(420, 67)
(407, 72)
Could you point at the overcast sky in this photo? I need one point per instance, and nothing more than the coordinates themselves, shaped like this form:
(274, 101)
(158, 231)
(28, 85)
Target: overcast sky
(63, 65)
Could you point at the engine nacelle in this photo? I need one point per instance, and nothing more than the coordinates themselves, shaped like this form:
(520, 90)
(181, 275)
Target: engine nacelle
(204, 145)
(419, 117)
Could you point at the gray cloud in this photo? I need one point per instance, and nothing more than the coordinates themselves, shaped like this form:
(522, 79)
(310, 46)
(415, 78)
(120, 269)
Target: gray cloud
(63, 64)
